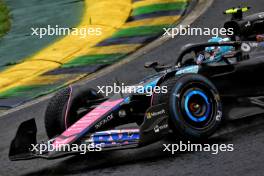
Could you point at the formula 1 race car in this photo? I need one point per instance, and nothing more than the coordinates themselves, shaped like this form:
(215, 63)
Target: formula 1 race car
(192, 106)
(245, 28)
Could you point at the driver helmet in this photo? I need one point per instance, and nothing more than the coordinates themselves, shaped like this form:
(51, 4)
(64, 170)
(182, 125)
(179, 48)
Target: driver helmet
(213, 53)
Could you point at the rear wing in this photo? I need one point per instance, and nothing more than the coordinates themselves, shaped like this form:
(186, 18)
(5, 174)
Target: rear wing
(237, 13)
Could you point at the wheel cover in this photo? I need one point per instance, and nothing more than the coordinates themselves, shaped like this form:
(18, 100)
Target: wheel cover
(197, 106)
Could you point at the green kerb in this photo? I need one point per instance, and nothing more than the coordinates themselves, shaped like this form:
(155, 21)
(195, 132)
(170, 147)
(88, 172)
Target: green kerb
(30, 91)
(140, 31)
(94, 59)
(159, 7)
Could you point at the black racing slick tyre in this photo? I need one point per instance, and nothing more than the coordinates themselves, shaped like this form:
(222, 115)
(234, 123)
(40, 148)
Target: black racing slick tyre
(66, 107)
(193, 104)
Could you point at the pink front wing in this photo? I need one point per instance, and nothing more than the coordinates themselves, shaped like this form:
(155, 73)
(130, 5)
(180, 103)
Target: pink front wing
(71, 134)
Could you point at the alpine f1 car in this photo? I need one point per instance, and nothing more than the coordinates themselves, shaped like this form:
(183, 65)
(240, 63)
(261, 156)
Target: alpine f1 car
(193, 107)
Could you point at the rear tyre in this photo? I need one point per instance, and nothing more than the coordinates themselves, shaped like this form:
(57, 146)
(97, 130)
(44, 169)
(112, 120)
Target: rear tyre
(193, 104)
(66, 107)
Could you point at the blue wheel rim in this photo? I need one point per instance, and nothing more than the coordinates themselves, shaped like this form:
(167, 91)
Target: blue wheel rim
(208, 105)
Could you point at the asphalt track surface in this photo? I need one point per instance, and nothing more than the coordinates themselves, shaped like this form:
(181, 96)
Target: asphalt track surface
(247, 137)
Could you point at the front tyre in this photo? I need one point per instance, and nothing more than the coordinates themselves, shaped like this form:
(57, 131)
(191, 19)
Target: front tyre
(194, 106)
(66, 107)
